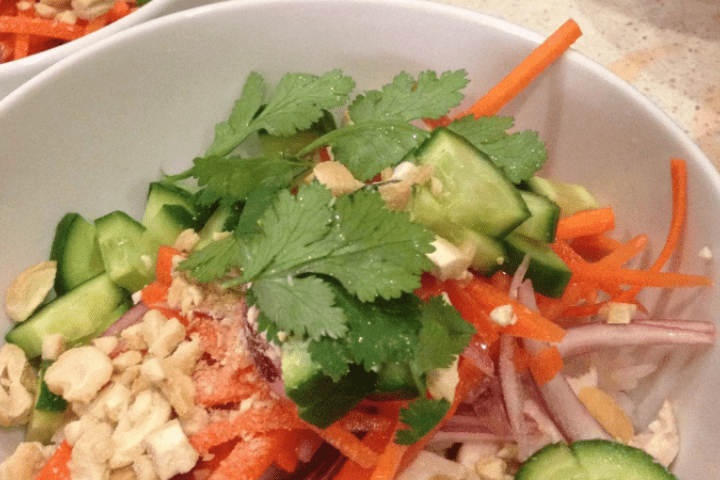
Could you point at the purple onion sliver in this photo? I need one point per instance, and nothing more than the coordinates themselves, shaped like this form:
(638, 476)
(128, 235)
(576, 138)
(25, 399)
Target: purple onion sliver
(595, 336)
(129, 318)
(564, 407)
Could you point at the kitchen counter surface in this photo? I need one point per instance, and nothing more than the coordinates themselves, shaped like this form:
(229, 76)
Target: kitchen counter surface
(668, 49)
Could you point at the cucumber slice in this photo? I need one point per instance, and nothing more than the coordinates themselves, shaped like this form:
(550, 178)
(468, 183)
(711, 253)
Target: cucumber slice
(43, 425)
(490, 252)
(223, 219)
(396, 381)
(320, 400)
(75, 315)
(544, 216)
(592, 460)
(547, 271)
(169, 222)
(552, 462)
(474, 194)
(570, 197)
(76, 251)
(120, 240)
(160, 194)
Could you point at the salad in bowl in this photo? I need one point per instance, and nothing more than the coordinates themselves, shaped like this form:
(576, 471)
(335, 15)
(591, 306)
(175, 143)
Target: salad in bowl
(359, 279)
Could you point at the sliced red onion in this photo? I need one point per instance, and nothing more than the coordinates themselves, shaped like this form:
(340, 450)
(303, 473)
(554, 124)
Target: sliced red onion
(131, 317)
(595, 336)
(563, 405)
(477, 353)
(694, 325)
(518, 277)
(513, 396)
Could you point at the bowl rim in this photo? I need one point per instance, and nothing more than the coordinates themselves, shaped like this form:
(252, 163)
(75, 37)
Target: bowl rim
(172, 20)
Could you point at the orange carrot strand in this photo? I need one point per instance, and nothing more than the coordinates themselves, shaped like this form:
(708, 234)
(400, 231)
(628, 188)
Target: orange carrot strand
(626, 252)
(585, 223)
(521, 76)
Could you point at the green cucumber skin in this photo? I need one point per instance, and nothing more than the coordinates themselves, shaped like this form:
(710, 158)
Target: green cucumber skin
(76, 251)
(592, 460)
(548, 273)
(476, 194)
(75, 315)
(543, 221)
(121, 242)
(160, 194)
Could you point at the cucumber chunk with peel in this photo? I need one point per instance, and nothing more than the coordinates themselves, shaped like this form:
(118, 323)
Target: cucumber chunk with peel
(592, 460)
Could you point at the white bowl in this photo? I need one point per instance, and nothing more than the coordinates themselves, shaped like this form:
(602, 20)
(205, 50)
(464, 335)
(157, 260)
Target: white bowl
(90, 132)
(13, 74)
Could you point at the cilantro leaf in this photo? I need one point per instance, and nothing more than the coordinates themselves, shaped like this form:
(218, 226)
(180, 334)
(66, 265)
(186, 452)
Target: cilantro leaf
(421, 416)
(444, 336)
(292, 234)
(298, 101)
(405, 99)
(519, 155)
(300, 306)
(232, 179)
(213, 262)
(333, 356)
(377, 252)
(370, 147)
(481, 130)
(231, 133)
(378, 332)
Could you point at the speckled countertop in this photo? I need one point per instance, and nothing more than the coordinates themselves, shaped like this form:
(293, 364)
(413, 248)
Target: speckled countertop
(667, 49)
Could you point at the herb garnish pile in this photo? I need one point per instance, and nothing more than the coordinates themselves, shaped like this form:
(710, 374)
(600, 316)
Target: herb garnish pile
(340, 273)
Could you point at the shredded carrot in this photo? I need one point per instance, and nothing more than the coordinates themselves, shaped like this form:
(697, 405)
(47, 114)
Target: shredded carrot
(467, 305)
(164, 264)
(529, 324)
(57, 467)
(521, 76)
(378, 440)
(595, 247)
(348, 444)
(585, 223)
(280, 415)
(625, 252)
(154, 293)
(545, 364)
(285, 454)
(389, 462)
(249, 459)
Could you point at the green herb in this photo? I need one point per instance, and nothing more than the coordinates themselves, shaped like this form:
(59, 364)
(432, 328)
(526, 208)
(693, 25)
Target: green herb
(519, 155)
(420, 416)
(298, 102)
